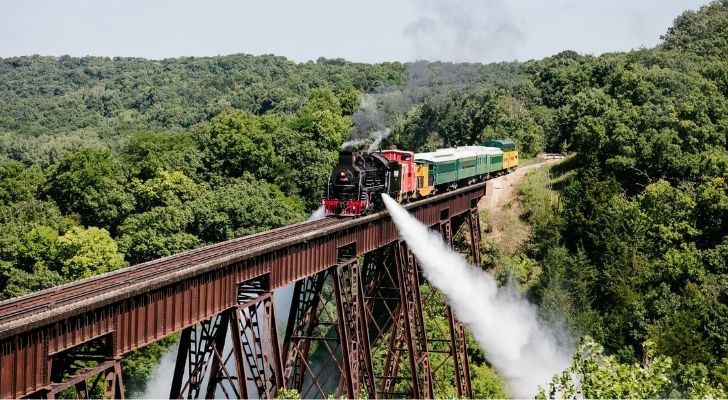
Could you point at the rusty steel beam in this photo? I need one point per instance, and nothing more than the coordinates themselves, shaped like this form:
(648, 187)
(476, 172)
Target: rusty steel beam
(458, 347)
(144, 303)
(474, 230)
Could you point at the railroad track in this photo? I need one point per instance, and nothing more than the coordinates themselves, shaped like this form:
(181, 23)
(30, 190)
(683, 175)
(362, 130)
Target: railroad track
(76, 292)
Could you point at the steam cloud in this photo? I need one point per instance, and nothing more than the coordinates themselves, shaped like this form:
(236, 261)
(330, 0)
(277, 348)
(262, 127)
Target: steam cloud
(370, 124)
(317, 215)
(376, 139)
(526, 353)
(464, 31)
(159, 383)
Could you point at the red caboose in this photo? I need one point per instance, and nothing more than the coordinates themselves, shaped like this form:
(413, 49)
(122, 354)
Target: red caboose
(407, 160)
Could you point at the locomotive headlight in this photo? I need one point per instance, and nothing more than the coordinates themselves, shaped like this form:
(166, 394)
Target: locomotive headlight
(343, 177)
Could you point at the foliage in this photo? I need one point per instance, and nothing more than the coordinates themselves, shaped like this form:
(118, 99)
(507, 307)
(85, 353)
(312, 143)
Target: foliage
(242, 207)
(593, 375)
(90, 183)
(82, 253)
(145, 154)
(288, 394)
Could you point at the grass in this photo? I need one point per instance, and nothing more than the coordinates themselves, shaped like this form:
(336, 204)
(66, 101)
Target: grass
(524, 162)
(507, 229)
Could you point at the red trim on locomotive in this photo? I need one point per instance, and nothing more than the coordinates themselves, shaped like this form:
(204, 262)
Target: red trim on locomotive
(345, 208)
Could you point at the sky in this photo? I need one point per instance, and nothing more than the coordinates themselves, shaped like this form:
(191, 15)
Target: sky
(357, 30)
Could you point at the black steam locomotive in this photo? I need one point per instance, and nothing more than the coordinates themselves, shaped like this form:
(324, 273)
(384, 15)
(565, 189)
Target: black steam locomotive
(357, 182)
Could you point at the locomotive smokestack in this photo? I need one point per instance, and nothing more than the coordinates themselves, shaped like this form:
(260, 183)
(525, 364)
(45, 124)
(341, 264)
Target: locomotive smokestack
(346, 157)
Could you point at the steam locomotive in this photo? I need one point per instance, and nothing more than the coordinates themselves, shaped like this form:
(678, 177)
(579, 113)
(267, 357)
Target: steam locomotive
(359, 179)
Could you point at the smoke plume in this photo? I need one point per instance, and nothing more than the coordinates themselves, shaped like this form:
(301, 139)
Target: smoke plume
(526, 353)
(375, 138)
(353, 144)
(464, 31)
(378, 137)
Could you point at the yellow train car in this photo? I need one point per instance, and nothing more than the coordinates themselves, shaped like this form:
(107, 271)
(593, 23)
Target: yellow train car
(425, 184)
(510, 154)
(510, 160)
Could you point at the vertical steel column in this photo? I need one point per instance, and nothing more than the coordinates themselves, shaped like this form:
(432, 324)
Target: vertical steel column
(302, 321)
(457, 331)
(114, 384)
(350, 376)
(204, 347)
(474, 226)
(218, 364)
(181, 364)
(353, 329)
(259, 344)
(237, 337)
(409, 330)
(362, 320)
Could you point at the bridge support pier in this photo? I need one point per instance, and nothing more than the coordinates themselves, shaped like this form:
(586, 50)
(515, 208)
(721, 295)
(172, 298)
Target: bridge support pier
(251, 368)
(458, 348)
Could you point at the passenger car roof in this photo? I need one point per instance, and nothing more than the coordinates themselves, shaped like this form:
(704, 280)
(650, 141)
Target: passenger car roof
(457, 153)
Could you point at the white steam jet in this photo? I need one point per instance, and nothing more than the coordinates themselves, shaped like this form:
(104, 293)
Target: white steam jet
(523, 351)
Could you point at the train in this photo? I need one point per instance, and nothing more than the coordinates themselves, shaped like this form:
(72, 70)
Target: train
(359, 179)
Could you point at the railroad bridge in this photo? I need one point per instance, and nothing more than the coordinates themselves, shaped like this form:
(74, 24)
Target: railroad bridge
(355, 285)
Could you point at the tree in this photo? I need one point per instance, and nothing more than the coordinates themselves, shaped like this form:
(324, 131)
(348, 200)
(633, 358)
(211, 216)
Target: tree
(159, 232)
(321, 120)
(241, 207)
(90, 183)
(83, 253)
(147, 153)
(165, 189)
(236, 142)
(700, 33)
(18, 183)
(594, 375)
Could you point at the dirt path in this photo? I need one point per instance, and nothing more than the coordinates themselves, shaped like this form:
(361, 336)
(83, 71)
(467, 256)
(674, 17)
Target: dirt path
(502, 190)
(503, 225)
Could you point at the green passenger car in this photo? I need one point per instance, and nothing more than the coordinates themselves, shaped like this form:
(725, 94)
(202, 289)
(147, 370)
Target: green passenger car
(461, 164)
(467, 167)
(495, 160)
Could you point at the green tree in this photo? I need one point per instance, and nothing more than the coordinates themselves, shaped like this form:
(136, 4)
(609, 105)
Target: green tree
(700, 33)
(90, 183)
(86, 252)
(165, 189)
(595, 375)
(147, 153)
(242, 207)
(236, 142)
(321, 120)
(159, 232)
(19, 183)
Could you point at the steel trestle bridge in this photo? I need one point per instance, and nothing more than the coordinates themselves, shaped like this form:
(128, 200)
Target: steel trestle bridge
(355, 285)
